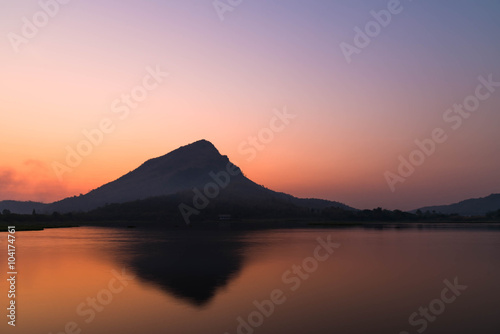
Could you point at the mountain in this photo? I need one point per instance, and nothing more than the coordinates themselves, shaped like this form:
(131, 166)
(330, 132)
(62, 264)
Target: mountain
(470, 207)
(178, 172)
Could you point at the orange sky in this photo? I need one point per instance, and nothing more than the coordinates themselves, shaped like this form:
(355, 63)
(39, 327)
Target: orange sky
(225, 79)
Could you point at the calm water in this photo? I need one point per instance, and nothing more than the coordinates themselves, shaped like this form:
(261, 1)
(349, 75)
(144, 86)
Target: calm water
(209, 282)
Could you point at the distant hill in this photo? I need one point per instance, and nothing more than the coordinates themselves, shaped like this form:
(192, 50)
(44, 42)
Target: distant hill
(23, 207)
(177, 172)
(470, 207)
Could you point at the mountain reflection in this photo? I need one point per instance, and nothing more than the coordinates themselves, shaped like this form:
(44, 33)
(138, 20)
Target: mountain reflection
(191, 265)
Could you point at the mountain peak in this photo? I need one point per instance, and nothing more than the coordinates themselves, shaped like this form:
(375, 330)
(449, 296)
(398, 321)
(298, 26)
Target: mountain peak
(201, 142)
(200, 151)
(200, 145)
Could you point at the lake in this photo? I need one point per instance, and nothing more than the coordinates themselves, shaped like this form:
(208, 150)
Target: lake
(116, 280)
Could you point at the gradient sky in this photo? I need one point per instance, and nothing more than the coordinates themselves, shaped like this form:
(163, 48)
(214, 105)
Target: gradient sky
(225, 79)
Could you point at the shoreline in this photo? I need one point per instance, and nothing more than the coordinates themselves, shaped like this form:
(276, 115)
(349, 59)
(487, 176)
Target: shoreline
(258, 224)
(20, 227)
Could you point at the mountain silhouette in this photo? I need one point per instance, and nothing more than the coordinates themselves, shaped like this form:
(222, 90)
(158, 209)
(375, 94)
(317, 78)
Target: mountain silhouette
(469, 207)
(179, 171)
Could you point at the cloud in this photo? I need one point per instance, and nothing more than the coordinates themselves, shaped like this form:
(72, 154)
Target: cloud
(33, 181)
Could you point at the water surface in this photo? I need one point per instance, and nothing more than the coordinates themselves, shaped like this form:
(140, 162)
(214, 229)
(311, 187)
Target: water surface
(210, 281)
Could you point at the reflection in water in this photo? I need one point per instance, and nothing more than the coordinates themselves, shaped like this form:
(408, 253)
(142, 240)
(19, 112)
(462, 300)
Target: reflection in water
(191, 265)
(192, 282)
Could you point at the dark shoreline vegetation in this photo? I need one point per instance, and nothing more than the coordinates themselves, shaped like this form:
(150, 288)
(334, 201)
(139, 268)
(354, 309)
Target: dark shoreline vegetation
(265, 213)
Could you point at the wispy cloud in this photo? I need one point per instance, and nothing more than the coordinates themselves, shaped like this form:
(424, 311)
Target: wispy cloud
(33, 181)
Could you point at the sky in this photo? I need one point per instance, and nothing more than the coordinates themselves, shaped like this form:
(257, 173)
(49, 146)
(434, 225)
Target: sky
(314, 98)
